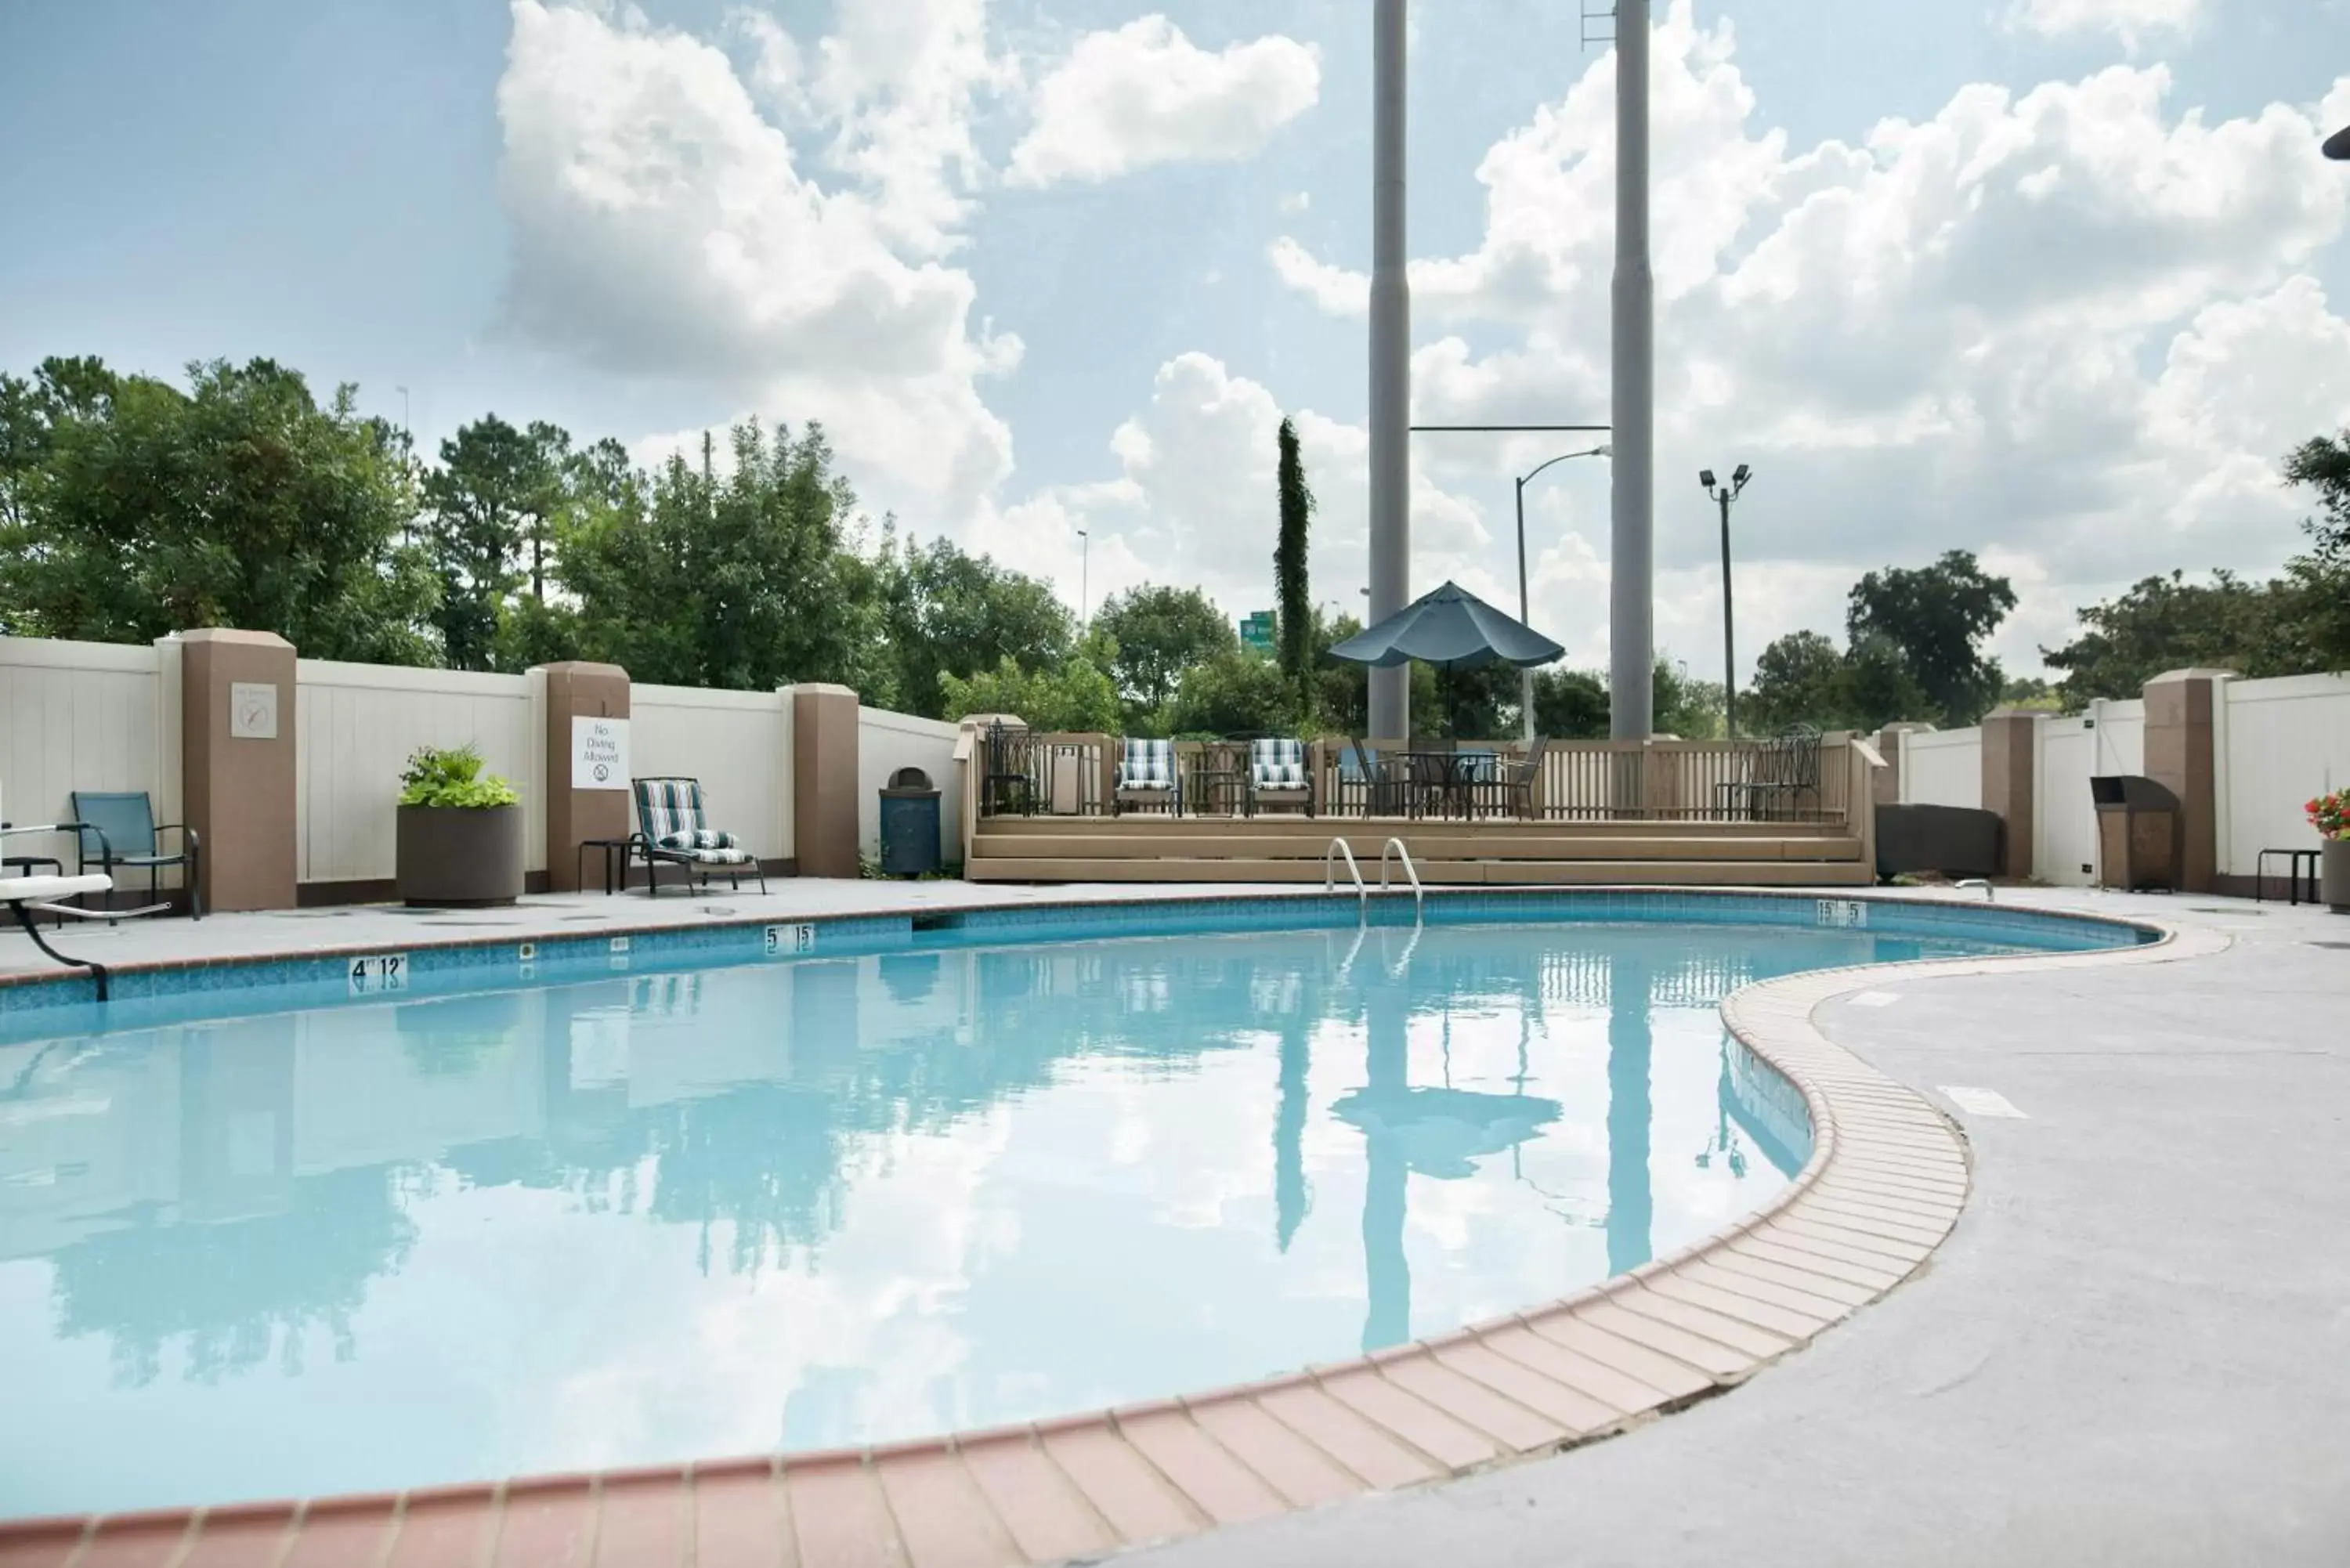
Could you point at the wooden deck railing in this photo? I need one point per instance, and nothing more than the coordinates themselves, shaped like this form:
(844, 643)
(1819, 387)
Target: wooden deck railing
(1579, 781)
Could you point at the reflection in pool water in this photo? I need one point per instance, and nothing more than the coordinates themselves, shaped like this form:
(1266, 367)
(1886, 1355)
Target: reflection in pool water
(675, 1215)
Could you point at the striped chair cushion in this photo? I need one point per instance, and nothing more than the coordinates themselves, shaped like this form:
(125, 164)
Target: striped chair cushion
(669, 811)
(1146, 764)
(1277, 764)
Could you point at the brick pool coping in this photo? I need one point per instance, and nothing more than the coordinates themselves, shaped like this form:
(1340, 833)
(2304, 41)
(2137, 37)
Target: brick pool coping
(1887, 1180)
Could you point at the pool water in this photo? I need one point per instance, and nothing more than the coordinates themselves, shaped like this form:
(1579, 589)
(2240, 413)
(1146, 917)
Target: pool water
(658, 1217)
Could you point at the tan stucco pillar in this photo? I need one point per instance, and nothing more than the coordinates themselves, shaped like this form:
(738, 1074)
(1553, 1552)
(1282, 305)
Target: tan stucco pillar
(823, 780)
(2178, 756)
(588, 766)
(1886, 783)
(236, 764)
(2007, 785)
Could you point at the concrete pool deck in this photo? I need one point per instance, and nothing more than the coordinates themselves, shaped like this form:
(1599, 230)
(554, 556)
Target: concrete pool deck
(2128, 1347)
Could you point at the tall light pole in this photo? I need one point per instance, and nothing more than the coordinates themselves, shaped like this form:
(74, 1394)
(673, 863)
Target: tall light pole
(1526, 676)
(1725, 495)
(1390, 367)
(1085, 570)
(1631, 569)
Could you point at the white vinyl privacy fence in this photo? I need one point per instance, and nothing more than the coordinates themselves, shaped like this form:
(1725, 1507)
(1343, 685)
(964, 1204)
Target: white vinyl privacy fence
(100, 716)
(2274, 744)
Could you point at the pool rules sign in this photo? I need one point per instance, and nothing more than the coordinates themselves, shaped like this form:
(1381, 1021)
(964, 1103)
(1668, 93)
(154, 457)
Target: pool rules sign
(600, 753)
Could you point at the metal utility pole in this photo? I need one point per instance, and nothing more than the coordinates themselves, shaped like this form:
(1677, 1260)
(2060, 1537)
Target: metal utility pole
(1084, 567)
(1525, 615)
(1390, 412)
(1631, 662)
(1725, 495)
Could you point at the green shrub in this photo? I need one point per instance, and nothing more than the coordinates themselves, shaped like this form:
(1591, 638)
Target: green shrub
(452, 776)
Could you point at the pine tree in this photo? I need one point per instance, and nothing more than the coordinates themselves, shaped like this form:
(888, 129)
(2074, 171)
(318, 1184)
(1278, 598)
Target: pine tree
(1296, 600)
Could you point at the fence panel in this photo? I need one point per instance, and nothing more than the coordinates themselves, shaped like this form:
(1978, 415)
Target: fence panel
(2064, 818)
(1942, 767)
(79, 716)
(354, 728)
(2283, 740)
(887, 742)
(738, 743)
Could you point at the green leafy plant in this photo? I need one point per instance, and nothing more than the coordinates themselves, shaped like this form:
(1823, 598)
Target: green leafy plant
(452, 776)
(2330, 815)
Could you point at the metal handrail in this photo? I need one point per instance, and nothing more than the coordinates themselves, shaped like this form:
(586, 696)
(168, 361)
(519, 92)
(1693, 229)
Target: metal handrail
(1330, 877)
(1419, 899)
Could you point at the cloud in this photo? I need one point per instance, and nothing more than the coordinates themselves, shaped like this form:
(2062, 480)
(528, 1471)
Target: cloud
(2128, 20)
(1194, 504)
(2072, 327)
(663, 227)
(1145, 95)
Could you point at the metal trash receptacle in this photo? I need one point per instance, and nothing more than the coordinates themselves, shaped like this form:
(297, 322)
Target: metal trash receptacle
(2137, 834)
(909, 825)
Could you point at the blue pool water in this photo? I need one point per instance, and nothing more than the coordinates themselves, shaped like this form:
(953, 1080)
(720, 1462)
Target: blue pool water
(648, 1217)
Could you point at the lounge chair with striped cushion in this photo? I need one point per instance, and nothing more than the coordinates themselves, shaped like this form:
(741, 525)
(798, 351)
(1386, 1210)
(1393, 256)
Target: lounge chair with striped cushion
(1147, 776)
(1278, 775)
(673, 829)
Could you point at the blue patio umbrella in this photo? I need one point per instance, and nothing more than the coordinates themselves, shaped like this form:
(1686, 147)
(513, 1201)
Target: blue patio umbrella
(1449, 628)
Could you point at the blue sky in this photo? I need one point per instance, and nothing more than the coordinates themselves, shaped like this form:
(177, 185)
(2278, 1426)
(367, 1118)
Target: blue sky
(2086, 355)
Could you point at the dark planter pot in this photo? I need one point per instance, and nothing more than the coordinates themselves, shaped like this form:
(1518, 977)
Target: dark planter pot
(459, 856)
(2334, 875)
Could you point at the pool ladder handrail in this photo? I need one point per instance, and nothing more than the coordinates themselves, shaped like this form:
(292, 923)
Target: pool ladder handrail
(1330, 878)
(1419, 898)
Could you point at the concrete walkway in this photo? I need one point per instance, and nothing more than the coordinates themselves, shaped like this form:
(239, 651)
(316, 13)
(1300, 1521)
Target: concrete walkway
(2134, 1349)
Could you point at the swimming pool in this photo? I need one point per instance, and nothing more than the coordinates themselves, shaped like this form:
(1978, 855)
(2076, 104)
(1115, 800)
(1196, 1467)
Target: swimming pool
(974, 1177)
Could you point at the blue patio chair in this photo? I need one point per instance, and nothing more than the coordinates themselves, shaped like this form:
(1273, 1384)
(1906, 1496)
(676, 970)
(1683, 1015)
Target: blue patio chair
(1278, 774)
(673, 829)
(118, 829)
(1147, 776)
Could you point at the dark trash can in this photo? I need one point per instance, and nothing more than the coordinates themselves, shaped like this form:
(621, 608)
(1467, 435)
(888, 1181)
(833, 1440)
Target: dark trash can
(2138, 832)
(909, 825)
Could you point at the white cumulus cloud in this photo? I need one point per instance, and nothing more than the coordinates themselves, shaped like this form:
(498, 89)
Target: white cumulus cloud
(663, 227)
(1145, 95)
(2131, 21)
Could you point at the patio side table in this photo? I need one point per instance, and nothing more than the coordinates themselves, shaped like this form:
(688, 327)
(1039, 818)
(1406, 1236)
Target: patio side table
(608, 846)
(2294, 860)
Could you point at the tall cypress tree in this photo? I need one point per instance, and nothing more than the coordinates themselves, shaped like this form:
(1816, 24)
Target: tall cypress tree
(1296, 600)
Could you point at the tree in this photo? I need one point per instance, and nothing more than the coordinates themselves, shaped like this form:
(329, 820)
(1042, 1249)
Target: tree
(2168, 623)
(744, 582)
(1296, 600)
(2322, 577)
(1799, 679)
(1160, 632)
(1685, 705)
(945, 611)
(1879, 688)
(1939, 616)
(495, 488)
(1802, 679)
(1570, 704)
(133, 510)
(1077, 697)
(1234, 692)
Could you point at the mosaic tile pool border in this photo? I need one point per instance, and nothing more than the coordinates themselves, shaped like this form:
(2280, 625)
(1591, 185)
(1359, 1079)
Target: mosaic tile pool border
(1886, 1181)
(173, 990)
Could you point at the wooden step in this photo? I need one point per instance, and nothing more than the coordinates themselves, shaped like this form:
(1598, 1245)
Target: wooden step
(1326, 828)
(1427, 845)
(1442, 873)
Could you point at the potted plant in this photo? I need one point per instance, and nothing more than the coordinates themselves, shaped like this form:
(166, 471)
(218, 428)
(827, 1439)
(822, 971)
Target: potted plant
(460, 832)
(2330, 815)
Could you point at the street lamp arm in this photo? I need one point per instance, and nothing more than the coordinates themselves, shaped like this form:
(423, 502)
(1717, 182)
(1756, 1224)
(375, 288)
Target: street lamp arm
(1562, 457)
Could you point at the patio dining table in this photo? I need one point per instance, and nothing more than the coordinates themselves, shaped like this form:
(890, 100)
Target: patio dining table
(1450, 777)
